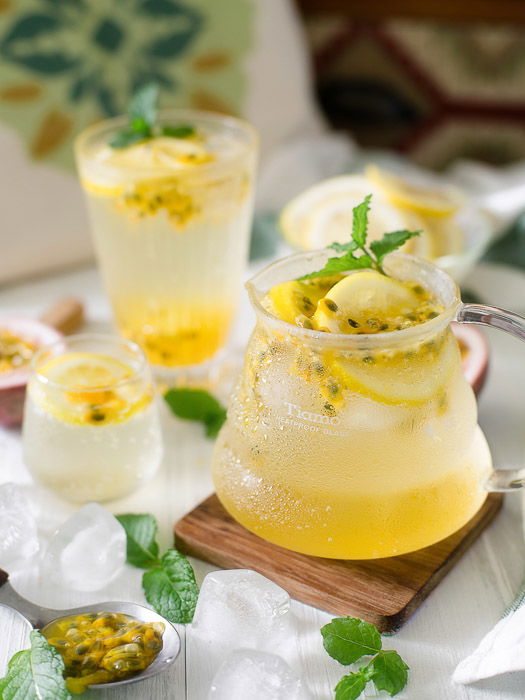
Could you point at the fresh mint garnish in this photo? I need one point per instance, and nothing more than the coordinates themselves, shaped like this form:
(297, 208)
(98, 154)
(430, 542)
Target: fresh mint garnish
(347, 640)
(171, 587)
(142, 113)
(179, 132)
(357, 255)
(141, 533)
(169, 584)
(35, 674)
(197, 405)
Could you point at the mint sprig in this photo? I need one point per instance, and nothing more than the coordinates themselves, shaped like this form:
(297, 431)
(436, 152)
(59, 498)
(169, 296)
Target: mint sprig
(169, 584)
(357, 254)
(197, 405)
(142, 113)
(142, 549)
(347, 640)
(35, 673)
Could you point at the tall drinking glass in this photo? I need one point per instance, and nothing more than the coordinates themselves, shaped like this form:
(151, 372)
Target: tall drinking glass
(171, 219)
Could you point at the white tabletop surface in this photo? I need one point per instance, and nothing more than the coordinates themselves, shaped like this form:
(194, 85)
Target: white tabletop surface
(442, 632)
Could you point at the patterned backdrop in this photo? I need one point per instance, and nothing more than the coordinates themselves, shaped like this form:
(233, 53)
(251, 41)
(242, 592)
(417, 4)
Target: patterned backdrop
(434, 91)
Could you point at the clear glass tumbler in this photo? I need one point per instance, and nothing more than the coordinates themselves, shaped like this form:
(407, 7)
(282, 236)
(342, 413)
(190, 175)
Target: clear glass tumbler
(171, 219)
(91, 429)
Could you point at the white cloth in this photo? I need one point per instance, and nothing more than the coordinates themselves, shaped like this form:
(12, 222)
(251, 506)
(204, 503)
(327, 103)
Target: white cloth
(502, 650)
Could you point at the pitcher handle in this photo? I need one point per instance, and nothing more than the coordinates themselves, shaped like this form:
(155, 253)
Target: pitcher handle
(501, 479)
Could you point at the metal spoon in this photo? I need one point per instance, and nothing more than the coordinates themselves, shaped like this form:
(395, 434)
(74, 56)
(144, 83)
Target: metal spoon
(37, 617)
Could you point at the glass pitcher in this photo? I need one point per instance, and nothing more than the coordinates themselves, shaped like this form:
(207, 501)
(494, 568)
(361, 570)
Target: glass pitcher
(355, 446)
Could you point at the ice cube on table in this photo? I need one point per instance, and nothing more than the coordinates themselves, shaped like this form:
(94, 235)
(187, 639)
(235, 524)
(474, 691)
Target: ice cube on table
(18, 533)
(87, 551)
(256, 675)
(241, 608)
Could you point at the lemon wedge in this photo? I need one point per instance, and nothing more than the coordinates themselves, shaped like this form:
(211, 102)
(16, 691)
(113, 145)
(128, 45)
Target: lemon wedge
(365, 301)
(323, 214)
(408, 378)
(436, 202)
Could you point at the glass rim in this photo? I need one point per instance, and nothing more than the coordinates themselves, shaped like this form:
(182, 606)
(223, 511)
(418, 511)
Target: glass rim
(252, 142)
(352, 340)
(141, 369)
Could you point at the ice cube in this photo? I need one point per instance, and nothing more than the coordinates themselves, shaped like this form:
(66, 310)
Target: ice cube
(241, 608)
(87, 551)
(256, 675)
(18, 534)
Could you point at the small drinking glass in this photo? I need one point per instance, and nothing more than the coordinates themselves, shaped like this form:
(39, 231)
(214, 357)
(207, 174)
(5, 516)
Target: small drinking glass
(91, 430)
(171, 220)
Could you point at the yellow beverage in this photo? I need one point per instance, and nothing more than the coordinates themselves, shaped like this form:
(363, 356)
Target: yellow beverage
(171, 218)
(356, 441)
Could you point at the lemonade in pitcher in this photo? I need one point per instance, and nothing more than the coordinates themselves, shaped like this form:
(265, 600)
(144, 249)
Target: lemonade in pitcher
(171, 214)
(352, 432)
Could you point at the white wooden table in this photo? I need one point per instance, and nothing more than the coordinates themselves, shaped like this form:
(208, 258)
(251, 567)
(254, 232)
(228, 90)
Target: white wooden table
(443, 631)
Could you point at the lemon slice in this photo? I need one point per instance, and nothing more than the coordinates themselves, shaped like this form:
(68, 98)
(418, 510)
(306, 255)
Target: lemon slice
(409, 378)
(102, 189)
(364, 301)
(323, 213)
(84, 370)
(425, 201)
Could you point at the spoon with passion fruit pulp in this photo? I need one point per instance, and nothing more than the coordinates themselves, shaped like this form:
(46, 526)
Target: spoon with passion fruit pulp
(102, 645)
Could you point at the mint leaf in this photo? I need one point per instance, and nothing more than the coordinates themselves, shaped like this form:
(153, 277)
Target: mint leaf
(350, 687)
(35, 674)
(179, 132)
(344, 263)
(127, 137)
(171, 588)
(389, 672)
(343, 247)
(372, 255)
(141, 531)
(360, 221)
(347, 639)
(142, 108)
(390, 242)
(198, 405)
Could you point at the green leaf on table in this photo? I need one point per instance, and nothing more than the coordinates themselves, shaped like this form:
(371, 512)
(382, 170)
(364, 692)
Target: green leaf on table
(389, 672)
(390, 242)
(35, 674)
(141, 531)
(171, 588)
(197, 405)
(350, 687)
(360, 221)
(184, 131)
(347, 639)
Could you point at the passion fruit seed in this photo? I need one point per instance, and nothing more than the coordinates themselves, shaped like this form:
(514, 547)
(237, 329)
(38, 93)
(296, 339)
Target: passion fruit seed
(352, 323)
(330, 305)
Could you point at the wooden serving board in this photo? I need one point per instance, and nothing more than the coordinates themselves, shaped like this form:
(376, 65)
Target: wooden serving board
(382, 591)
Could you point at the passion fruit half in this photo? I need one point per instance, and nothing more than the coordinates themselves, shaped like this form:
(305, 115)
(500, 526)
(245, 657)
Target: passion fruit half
(20, 338)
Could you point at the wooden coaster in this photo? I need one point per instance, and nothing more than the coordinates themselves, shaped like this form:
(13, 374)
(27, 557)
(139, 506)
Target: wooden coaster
(382, 591)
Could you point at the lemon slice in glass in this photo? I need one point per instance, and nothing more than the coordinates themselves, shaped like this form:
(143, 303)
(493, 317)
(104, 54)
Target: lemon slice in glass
(404, 377)
(84, 370)
(323, 214)
(426, 201)
(365, 301)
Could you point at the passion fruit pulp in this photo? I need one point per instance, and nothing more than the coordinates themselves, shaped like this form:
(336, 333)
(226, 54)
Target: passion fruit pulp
(20, 338)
